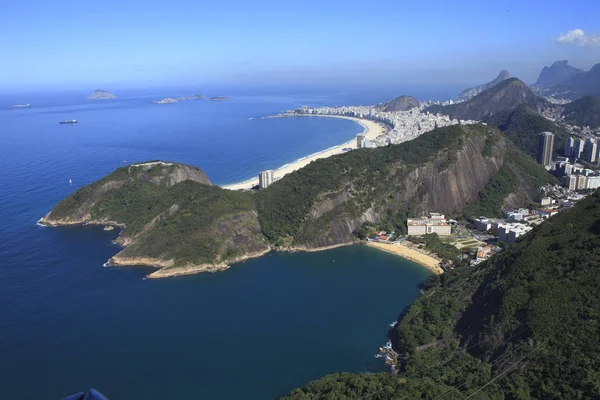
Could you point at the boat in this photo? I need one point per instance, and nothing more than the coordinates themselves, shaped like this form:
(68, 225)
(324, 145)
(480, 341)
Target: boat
(71, 121)
(21, 105)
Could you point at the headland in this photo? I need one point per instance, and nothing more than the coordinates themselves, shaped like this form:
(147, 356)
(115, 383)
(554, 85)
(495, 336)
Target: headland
(372, 130)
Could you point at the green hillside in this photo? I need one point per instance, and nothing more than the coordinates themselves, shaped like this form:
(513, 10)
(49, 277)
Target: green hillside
(523, 126)
(170, 214)
(303, 207)
(523, 325)
(584, 111)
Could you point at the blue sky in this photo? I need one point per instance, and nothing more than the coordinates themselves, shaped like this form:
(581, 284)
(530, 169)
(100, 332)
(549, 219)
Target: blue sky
(107, 43)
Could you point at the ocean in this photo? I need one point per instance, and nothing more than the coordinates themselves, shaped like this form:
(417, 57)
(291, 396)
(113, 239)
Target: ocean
(254, 331)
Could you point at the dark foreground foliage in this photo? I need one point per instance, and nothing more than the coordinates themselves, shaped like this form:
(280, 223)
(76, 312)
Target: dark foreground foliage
(524, 325)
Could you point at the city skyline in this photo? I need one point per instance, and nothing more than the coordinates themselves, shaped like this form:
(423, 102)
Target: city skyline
(65, 44)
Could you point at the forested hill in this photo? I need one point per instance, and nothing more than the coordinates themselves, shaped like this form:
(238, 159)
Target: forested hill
(523, 125)
(523, 325)
(442, 170)
(172, 218)
(584, 111)
(323, 203)
(506, 95)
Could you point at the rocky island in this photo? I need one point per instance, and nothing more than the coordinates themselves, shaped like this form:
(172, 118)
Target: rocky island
(171, 100)
(99, 94)
(216, 98)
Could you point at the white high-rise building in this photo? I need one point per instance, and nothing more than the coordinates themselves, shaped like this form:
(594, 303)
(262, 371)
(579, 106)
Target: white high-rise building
(265, 178)
(360, 139)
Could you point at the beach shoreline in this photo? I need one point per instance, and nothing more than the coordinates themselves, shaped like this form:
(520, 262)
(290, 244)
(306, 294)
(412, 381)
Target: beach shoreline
(401, 250)
(371, 131)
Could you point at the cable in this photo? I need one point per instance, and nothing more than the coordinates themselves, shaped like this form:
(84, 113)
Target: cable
(558, 324)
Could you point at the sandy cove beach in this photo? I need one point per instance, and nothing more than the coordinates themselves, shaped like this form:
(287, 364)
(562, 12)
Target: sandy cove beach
(425, 260)
(372, 130)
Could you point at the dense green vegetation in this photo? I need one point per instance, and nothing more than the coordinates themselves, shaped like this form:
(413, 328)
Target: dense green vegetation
(188, 221)
(518, 172)
(584, 111)
(523, 126)
(196, 231)
(523, 325)
(434, 244)
(369, 174)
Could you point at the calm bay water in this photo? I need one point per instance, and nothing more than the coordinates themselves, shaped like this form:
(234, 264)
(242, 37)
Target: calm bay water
(254, 331)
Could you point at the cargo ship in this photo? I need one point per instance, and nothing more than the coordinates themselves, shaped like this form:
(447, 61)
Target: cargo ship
(21, 105)
(71, 121)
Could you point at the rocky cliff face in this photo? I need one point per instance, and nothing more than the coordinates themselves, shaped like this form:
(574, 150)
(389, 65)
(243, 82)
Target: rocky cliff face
(324, 203)
(445, 185)
(474, 91)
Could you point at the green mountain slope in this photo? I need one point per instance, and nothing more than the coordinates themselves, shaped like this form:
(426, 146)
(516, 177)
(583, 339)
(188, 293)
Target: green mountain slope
(172, 217)
(506, 95)
(584, 111)
(523, 126)
(323, 203)
(523, 325)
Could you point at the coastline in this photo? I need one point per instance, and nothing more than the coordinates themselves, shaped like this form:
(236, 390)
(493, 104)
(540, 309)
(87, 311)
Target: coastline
(401, 250)
(371, 131)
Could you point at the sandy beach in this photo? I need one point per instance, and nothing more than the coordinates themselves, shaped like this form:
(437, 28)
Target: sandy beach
(371, 131)
(403, 251)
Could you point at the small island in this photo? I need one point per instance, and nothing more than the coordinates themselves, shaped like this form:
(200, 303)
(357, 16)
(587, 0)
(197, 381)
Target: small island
(99, 94)
(216, 98)
(171, 100)
(166, 100)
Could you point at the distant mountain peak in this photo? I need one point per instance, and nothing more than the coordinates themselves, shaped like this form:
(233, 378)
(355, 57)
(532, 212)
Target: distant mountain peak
(504, 74)
(559, 72)
(474, 91)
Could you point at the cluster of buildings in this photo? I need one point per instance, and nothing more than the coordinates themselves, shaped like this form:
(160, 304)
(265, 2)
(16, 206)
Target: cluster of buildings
(404, 125)
(583, 148)
(575, 176)
(508, 229)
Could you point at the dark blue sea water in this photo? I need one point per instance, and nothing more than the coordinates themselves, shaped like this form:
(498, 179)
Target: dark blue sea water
(254, 331)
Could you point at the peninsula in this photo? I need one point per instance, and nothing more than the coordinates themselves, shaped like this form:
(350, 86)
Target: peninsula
(172, 217)
(99, 94)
